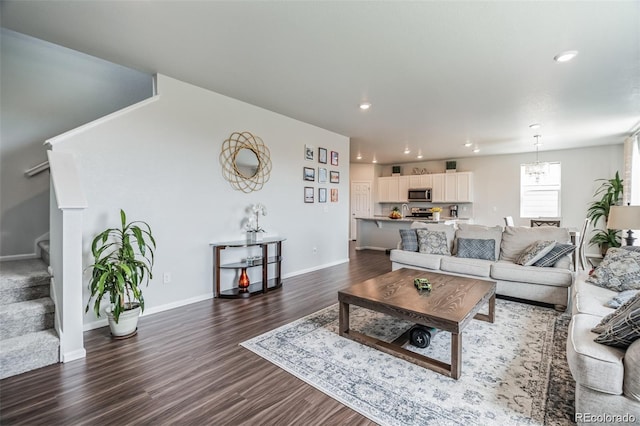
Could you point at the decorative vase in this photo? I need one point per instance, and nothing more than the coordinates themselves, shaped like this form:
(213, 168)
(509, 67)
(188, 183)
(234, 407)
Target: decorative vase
(436, 216)
(243, 282)
(251, 237)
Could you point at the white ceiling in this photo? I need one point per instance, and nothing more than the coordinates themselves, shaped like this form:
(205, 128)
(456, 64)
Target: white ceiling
(438, 73)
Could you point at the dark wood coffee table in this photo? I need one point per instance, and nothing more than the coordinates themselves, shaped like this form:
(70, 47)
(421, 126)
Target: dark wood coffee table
(451, 304)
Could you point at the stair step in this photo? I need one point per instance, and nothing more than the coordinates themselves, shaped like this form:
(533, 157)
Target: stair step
(44, 251)
(28, 352)
(23, 280)
(17, 319)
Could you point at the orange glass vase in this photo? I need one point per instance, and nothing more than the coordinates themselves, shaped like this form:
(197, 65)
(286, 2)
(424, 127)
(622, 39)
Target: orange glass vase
(243, 282)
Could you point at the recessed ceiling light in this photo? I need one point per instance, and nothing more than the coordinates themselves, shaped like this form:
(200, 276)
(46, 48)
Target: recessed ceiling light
(467, 144)
(565, 56)
(419, 156)
(407, 151)
(476, 150)
(359, 157)
(534, 126)
(374, 161)
(365, 105)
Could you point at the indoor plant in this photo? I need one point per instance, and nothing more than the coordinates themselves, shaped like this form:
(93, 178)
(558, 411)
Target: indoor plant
(252, 223)
(123, 261)
(610, 193)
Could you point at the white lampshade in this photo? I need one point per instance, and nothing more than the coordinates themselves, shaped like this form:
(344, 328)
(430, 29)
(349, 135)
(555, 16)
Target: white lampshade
(624, 217)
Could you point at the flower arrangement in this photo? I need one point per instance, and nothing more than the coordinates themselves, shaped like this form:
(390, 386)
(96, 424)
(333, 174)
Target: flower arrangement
(253, 221)
(435, 209)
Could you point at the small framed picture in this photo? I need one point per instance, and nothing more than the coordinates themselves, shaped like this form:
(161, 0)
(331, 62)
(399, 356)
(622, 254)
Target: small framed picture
(322, 175)
(309, 173)
(322, 155)
(334, 177)
(308, 152)
(308, 194)
(334, 195)
(322, 195)
(334, 158)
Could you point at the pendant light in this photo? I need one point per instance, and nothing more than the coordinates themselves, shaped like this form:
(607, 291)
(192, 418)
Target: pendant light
(537, 169)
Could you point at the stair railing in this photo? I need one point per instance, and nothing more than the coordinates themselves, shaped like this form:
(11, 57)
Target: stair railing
(37, 169)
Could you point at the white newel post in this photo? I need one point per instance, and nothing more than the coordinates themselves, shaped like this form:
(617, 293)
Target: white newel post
(68, 203)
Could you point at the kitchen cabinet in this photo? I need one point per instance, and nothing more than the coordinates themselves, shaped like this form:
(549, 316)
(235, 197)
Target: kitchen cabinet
(420, 181)
(393, 189)
(452, 187)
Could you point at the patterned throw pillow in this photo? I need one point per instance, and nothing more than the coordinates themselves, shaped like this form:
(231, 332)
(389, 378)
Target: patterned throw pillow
(621, 298)
(631, 248)
(623, 310)
(409, 239)
(475, 248)
(432, 242)
(535, 252)
(618, 271)
(557, 252)
(623, 331)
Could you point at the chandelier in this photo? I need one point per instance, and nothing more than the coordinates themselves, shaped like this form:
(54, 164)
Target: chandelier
(536, 170)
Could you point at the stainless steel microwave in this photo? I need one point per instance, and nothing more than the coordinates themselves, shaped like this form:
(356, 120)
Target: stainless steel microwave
(419, 194)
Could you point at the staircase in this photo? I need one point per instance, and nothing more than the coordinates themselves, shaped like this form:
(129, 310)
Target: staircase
(27, 337)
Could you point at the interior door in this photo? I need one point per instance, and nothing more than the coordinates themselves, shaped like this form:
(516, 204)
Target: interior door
(360, 204)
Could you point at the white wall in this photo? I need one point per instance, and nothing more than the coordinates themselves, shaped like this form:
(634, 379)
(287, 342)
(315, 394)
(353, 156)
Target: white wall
(160, 164)
(47, 90)
(497, 180)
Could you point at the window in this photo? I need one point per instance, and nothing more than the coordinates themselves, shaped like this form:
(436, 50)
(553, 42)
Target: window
(542, 198)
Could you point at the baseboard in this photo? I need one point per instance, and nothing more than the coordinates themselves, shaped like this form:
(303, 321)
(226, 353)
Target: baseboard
(150, 311)
(18, 257)
(373, 248)
(73, 355)
(315, 268)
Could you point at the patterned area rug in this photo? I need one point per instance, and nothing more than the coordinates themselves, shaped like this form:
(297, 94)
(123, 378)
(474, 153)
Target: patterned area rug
(514, 371)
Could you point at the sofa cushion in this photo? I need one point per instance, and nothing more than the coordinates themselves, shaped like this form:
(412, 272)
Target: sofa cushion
(517, 238)
(447, 229)
(593, 365)
(466, 230)
(591, 299)
(475, 248)
(432, 242)
(618, 271)
(412, 258)
(620, 313)
(475, 267)
(509, 271)
(631, 384)
(534, 252)
(623, 331)
(409, 239)
(558, 251)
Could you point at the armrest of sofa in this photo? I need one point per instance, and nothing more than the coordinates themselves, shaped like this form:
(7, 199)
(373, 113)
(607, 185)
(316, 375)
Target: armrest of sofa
(631, 386)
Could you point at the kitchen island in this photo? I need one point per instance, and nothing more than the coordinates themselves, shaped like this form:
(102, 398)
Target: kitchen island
(382, 232)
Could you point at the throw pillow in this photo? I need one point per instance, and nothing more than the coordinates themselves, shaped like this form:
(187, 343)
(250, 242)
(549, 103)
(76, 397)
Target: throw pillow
(621, 298)
(618, 271)
(623, 331)
(475, 248)
(623, 310)
(409, 239)
(432, 242)
(447, 229)
(480, 232)
(535, 252)
(515, 239)
(557, 252)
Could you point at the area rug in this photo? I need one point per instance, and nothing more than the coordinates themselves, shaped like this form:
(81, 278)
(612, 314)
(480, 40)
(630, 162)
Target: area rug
(513, 371)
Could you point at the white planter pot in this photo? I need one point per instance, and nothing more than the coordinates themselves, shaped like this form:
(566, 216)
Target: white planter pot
(436, 216)
(127, 323)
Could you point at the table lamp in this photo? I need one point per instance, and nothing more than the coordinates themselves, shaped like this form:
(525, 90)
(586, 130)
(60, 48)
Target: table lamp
(624, 217)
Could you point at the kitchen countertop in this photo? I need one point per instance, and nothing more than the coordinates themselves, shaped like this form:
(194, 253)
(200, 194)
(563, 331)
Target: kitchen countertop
(411, 219)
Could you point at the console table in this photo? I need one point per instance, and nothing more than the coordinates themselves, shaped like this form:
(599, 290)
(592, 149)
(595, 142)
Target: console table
(267, 284)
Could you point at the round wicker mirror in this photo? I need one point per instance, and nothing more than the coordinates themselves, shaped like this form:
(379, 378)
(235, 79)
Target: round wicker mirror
(245, 162)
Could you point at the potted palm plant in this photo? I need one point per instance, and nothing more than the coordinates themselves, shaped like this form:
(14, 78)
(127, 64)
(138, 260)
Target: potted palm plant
(123, 261)
(610, 193)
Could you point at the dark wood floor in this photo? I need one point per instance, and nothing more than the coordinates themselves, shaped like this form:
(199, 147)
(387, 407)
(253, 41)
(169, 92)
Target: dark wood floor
(185, 366)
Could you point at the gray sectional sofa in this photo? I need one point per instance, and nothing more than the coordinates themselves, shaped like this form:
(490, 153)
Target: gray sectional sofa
(541, 284)
(607, 377)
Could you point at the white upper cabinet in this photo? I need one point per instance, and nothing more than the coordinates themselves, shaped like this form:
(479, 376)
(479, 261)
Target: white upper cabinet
(451, 187)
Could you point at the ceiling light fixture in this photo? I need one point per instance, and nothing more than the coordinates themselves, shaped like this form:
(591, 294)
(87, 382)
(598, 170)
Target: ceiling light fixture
(534, 126)
(407, 151)
(565, 56)
(537, 169)
(359, 157)
(419, 156)
(374, 161)
(365, 106)
(476, 150)
(468, 144)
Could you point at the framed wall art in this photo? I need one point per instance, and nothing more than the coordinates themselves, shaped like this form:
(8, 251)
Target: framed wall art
(322, 155)
(334, 158)
(308, 152)
(334, 195)
(308, 194)
(322, 195)
(334, 177)
(322, 175)
(309, 173)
